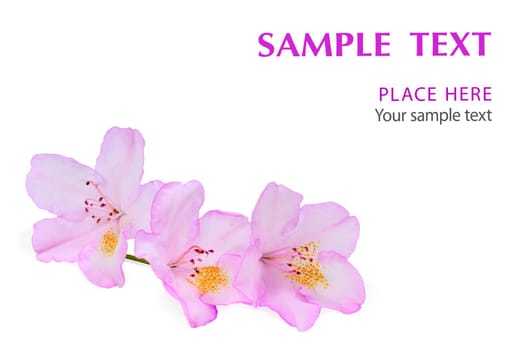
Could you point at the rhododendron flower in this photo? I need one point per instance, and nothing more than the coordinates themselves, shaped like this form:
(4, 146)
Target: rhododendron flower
(302, 257)
(97, 209)
(196, 259)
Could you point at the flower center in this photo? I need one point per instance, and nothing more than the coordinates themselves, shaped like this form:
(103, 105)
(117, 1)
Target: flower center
(299, 264)
(206, 278)
(109, 243)
(100, 208)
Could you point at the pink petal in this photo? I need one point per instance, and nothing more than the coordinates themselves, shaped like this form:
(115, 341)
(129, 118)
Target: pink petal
(228, 295)
(140, 210)
(249, 278)
(149, 246)
(174, 215)
(101, 269)
(196, 311)
(121, 164)
(58, 184)
(281, 296)
(223, 233)
(275, 214)
(345, 291)
(61, 240)
(328, 223)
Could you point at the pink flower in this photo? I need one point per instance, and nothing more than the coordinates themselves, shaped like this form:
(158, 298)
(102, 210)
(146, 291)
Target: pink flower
(196, 259)
(97, 209)
(300, 256)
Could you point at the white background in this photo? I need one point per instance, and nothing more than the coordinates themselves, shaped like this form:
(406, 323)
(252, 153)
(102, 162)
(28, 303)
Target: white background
(440, 207)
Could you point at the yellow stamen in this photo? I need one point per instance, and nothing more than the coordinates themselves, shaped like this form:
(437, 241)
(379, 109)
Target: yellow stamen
(208, 279)
(109, 242)
(304, 269)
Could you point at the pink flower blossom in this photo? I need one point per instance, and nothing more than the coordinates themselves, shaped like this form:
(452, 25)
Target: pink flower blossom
(196, 259)
(97, 209)
(300, 256)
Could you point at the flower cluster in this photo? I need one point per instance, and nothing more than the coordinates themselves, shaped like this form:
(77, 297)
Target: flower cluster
(288, 257)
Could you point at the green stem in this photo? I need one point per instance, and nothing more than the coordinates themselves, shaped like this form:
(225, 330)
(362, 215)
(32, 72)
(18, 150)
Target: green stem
(139, 260)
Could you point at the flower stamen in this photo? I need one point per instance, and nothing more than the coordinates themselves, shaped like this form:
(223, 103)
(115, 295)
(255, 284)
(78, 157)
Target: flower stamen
(100, 209)
(207, 279)
(299, 265)
(191, 255)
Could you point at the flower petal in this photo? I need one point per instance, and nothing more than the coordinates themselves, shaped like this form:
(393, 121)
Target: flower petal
(121, 164)
(101, 268)
(328, 223)
(149, 246)
(224, 233)
(61, 240)
(230, 264)
(58, 184)
(174, 215)
(281, 296)
(139, 211)
(345, 291)
(275, 214)
(196, 311)
(249, 279)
